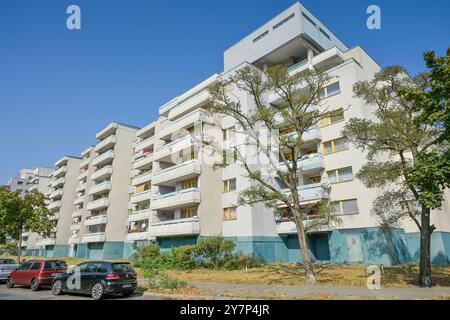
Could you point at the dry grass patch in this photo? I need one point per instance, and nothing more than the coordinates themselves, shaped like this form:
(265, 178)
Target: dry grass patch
(326, 274)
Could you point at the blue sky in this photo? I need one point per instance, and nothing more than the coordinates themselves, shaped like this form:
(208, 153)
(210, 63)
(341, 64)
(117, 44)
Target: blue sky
(59, 87)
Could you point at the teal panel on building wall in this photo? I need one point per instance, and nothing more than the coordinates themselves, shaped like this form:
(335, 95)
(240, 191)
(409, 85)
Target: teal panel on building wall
(95, 250)
(49, 251)
(61, 250)
(113, 250)
(82, 251)
(440, 247)
(166, 243)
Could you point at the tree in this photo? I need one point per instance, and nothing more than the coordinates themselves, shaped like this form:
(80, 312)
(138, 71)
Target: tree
(405, 155)
(18, 214)
(270, 133)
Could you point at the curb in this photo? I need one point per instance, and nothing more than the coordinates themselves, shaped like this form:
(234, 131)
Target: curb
(178, 295)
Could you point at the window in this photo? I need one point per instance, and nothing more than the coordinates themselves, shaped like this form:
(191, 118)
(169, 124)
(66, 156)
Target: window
(346, 206)
(122, 267)
(36, 266)
(24, 266)
(188, 212)
(309, 19)
(93, 267)
(325, 34)
(315, 179)
(330, 90)
(55, 265)
(332, 117)
(228, 133)
(340, 175)
(189, 184)
(262, 35)
(19, 183)
(279, 24)
(229, 185)
(229, 214)
(336, 145)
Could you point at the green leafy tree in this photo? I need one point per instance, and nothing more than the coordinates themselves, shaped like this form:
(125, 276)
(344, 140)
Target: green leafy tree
(273, 133)
(406, 156)
(19, 214)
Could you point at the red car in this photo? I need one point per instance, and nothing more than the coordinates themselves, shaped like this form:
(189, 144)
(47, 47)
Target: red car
(36, 273)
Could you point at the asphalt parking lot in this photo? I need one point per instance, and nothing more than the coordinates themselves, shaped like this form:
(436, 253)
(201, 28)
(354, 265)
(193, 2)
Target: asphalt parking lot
(24, 293)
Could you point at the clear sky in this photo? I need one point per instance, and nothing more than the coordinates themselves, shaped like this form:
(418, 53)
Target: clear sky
(59, 87)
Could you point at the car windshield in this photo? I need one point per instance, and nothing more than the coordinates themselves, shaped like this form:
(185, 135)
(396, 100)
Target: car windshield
(55, 265)
(7, 261)
(122, 267)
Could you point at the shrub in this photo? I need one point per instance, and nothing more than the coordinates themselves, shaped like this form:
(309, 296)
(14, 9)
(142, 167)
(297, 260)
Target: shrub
(148, 256)
(181, 258)
(212, 252)
(240, 260)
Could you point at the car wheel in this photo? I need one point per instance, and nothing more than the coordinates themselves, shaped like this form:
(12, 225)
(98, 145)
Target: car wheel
(57, 288)
(34, 285)
(127, 293)
(9, 283)
(97, 291)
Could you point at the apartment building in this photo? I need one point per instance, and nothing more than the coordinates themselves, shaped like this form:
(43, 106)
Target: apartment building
(100, 216)
(29, 180)
(137, 186)
(61, 201)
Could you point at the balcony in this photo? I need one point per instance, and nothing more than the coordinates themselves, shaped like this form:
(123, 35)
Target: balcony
(56, 194)
(78, 213)
(78, 200)
(141, 196)
(311, 193)
(95, 220)
(84, 163)
(166, 150)
(54, 205)
(176, 199)
(60, 172)
(104, 158)
(141, 145)
(137, 236)
(46, 242)
(58, 182)
(101, 174)
(24, 243)
(54, 217)
(140, 179)
(140, 215)
(74, 239)
(178, 227)
(307, 163)
(94, 237)
(76, 226)
(98, 204)
(196, 101)
(185, 122)
(143, 162)
(82, 175)
(106, 144)
(185, 170)
(100, 188)
(81, 187)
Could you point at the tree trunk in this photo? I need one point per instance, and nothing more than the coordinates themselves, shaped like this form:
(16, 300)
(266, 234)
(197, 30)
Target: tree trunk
(19, 251)
(303, 241)
(425, 244)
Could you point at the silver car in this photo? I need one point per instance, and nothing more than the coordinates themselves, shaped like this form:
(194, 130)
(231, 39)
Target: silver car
(7, 265)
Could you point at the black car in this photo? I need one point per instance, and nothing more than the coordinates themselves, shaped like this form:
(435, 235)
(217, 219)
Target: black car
(97, 278)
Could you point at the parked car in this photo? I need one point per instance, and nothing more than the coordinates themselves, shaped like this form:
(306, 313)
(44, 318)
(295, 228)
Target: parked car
(7, 265)
(36, 273)
(97, 278)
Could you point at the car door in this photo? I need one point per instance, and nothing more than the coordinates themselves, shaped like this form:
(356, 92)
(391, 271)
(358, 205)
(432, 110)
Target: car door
(89, 275)
(33, 272)
(84, 277)
(18, 276)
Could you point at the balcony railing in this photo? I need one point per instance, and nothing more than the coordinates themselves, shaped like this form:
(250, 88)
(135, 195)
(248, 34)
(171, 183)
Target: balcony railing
(176, 199)
(81, 187)
(54, 205)
(94, 237)
(60, 172)
(142, 161)
(84, 163)
(105, 144)
(102, 173)
(175, 227)
(58, 182)
(106, 157)
(312, 192)
(307, 163)
(184, 121)
(141, 145)
(97, 204)
(56, 194)
(138, 215)
(141, 196)
(142, 178)
(187, 168)
(100, 188)
(95, 220)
